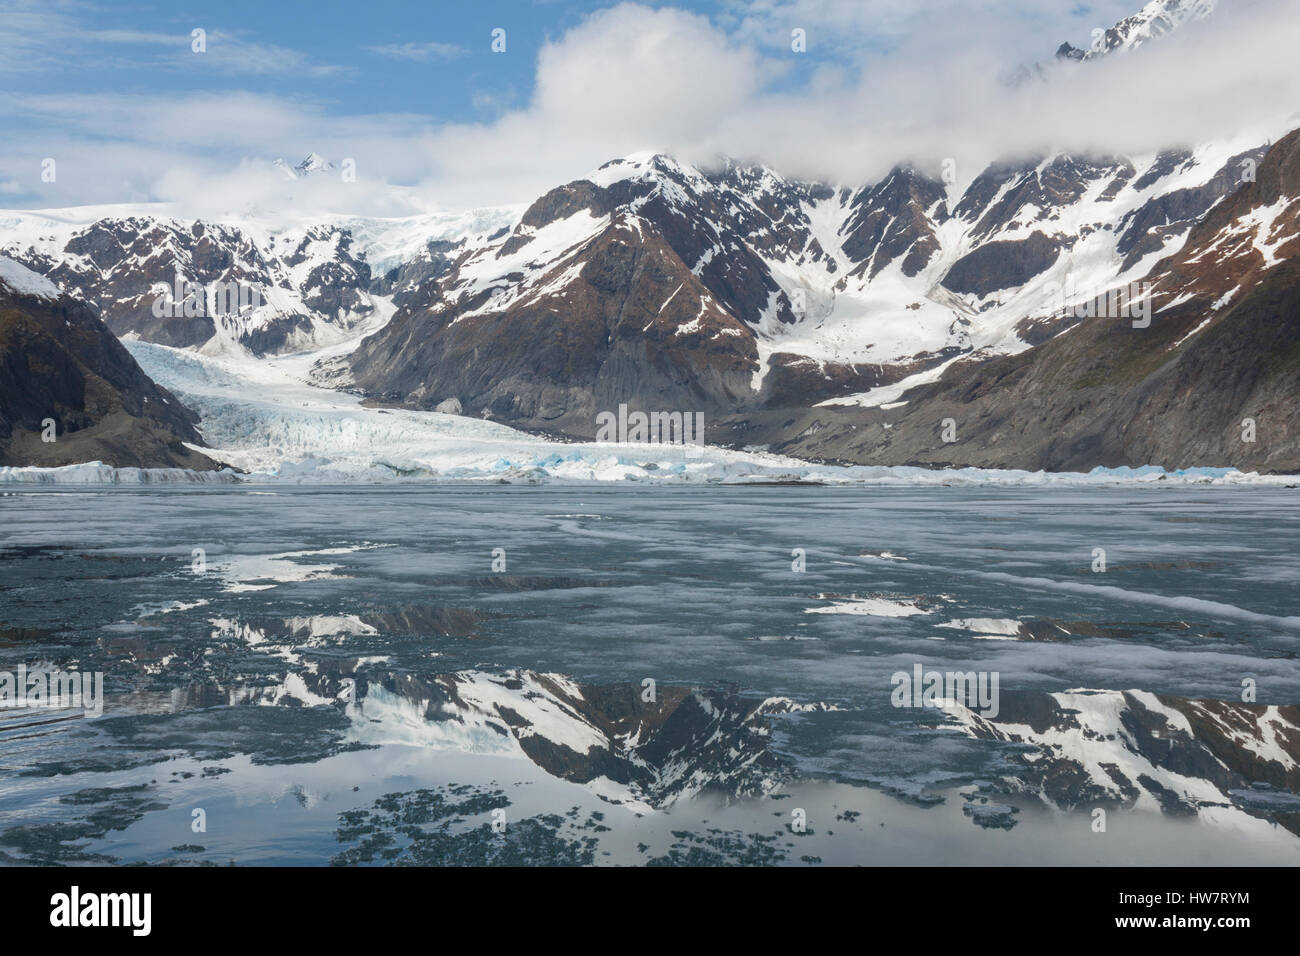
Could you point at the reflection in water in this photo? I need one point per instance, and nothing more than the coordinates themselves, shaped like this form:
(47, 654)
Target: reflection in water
(350, 670)
(1143, 750)
(630, 743)
(650, 747)
(638, 744)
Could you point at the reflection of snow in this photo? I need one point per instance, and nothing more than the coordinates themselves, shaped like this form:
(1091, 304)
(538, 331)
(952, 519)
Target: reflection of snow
(260, 572)
(1142, 749)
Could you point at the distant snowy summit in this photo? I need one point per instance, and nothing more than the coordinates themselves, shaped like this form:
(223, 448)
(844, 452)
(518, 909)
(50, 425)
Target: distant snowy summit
(314, 163)
(1157, 18)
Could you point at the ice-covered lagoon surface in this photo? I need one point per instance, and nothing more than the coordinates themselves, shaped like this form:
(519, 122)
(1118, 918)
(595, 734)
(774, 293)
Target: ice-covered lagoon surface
(348, 679)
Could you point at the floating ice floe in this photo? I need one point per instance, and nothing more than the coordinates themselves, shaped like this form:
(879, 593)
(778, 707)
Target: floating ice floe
(869, 606)
(987, 628)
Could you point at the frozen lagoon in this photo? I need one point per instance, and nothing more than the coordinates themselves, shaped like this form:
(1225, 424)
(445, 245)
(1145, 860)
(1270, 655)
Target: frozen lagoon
(347, 678)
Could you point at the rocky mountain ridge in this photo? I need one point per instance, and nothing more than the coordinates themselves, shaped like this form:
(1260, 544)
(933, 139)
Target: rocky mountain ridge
(70, 393)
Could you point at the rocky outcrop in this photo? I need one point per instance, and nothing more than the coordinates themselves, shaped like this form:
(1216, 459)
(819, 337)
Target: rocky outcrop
(64, 375)
(1002, 265)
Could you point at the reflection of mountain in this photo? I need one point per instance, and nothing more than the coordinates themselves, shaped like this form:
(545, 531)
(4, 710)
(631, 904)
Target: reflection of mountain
(682, 742)
(1080, 749)
(1137, 749)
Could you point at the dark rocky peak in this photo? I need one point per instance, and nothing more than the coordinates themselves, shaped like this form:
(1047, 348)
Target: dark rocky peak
(1157, 19)
(1000, 195)
(895, 217)
(1066, 51)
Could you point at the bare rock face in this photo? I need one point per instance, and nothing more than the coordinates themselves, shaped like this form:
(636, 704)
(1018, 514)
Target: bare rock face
(634, 322)
(1001, 265)
(63, 373)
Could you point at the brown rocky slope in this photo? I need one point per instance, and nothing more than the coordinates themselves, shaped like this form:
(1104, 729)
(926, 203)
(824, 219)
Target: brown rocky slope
(59, 362)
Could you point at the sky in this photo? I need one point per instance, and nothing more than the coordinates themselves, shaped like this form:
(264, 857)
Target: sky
(446, 105)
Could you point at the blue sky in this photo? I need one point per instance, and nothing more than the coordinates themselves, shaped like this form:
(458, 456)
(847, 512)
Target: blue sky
(413, 92)
(431, 57)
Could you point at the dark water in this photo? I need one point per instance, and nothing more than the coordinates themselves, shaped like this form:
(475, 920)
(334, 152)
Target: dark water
(347, 677)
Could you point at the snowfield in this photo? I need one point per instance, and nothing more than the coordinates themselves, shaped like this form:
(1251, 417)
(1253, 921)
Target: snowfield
(26, 282)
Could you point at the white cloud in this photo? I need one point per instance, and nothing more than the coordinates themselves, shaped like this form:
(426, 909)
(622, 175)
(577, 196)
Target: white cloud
(631, 78)
(419, 52)
(858, 24)
(37, 35)
(233, 52)
(206, 150)
(628, 78)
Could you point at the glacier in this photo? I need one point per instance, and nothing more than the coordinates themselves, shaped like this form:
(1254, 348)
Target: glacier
(267, 422)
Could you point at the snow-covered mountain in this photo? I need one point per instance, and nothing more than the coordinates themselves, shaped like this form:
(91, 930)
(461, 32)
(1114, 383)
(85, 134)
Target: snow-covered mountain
(1156, 19)
(297, 285)
(312, 164)
(1209, 376)
(667, 285)
(657, 283)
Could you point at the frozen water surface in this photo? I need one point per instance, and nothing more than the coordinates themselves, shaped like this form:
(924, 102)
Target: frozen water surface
(348, 678)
